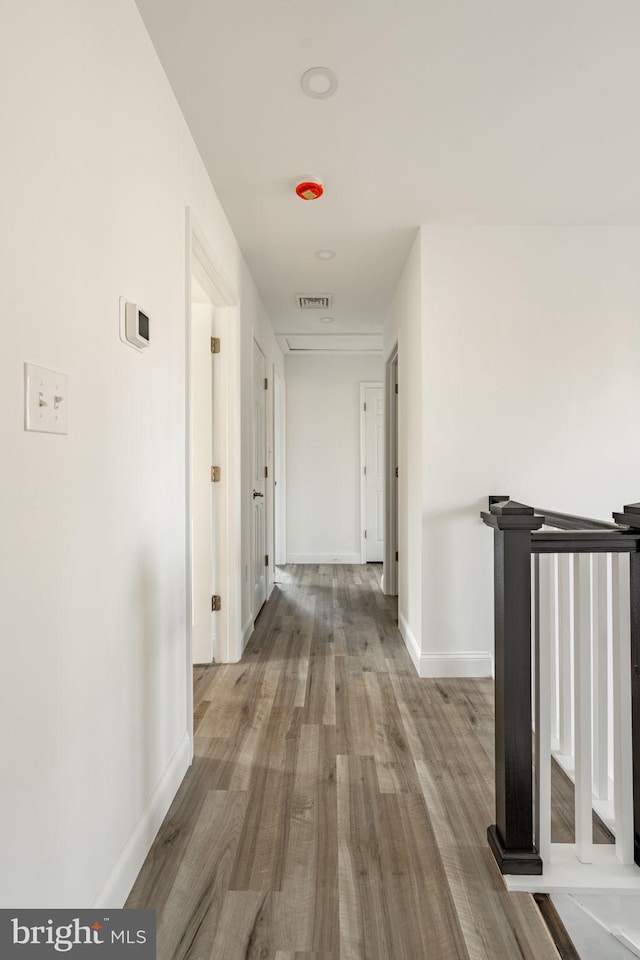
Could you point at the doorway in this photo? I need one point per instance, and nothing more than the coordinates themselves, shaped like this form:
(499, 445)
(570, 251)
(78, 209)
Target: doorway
(203, 489)
(391, 548)
(372, 472)
(279, 499)
(259, 477)
(212, 550)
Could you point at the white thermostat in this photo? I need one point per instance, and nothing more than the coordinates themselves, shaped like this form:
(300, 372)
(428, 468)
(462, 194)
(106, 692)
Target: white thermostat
(136, 325)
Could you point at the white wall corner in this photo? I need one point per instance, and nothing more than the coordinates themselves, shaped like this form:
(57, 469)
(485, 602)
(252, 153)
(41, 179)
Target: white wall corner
(459, 664)
(410, 641)
(247, 632)
(436, 666)
(128, 865)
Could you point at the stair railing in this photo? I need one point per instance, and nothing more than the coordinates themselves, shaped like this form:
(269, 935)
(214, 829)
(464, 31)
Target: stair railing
(567, 664)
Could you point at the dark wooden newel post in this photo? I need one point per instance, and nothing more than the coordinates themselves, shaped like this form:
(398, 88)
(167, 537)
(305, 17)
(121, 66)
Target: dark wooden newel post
(511, 837)
(630, 517)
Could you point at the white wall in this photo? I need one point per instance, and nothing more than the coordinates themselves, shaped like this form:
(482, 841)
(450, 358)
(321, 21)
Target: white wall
(530, 343)
(403, 324)
(98, 166)
(323, 456)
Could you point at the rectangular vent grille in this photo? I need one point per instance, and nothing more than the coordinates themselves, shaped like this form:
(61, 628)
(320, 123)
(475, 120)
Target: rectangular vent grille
(314, 301)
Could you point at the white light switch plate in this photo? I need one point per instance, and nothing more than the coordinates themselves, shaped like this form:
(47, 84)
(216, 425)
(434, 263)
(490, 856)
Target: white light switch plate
(46, 400)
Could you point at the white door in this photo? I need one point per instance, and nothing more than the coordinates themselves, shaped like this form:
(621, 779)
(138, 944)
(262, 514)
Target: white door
(374, 472)
(203, 490)
(279, 537)
(259, 483)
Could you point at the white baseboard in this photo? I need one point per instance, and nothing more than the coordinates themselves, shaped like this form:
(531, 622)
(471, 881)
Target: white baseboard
(463, 664)
(564, 873)
(442, 665)
(128, 865)
(247, 632)
(324, 558)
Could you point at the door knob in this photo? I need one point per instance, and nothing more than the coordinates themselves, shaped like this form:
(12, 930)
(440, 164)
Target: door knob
(256, 494)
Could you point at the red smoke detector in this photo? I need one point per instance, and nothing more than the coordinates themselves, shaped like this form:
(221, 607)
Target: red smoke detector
(310, 189)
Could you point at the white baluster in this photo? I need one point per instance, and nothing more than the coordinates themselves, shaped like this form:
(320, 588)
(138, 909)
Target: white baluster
(534, 633)
(622, 752)
(545, 630)
(565, 673)
(582, 694)
(600, 677)
(553, 651)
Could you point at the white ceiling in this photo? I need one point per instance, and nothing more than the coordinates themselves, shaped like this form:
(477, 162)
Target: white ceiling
(447, 111)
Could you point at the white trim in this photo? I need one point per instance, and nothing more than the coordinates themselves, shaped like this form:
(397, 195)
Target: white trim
(254, 466)
(565, 874)
(279, 471)
(247, 631)
(128, 865)
(208, 270)
(390, 564)
(323, 558)
(203, 263)
(462, 664)
(270, 488)
(445, 664)
(364, 386)
(630, 939)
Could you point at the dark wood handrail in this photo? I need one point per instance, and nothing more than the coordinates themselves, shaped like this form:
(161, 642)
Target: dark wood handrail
(569, 521)
(563, 521)
(585, 541)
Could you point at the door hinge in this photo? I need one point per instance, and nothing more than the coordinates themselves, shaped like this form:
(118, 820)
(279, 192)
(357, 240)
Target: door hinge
(215, 344)
(215, 474)
(266, 559)
(364, 407)
(364, 470)
(266, 383)
(216, 603)
(396, 387)
(365, 534)
(396, 555)
(396, 471)
(266, 471)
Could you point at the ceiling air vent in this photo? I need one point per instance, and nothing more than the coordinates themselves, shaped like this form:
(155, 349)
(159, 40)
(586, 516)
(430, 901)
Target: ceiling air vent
(314, 301)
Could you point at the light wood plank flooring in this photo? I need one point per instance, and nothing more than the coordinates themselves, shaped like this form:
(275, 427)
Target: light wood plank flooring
(337, 805)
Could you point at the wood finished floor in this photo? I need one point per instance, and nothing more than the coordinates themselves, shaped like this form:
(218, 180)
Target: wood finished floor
(337, 805)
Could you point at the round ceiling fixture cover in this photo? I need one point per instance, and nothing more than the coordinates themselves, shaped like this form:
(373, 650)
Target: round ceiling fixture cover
(310, 189)
(319, 83)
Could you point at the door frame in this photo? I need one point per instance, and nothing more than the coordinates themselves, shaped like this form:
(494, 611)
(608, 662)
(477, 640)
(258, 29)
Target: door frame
(202, 263)
(364, 386)
(390, 564)
(204, 519)
(279, 471)
(268, 479)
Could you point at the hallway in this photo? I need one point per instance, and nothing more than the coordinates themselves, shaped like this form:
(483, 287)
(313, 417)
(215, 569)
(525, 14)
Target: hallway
(337, 805)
